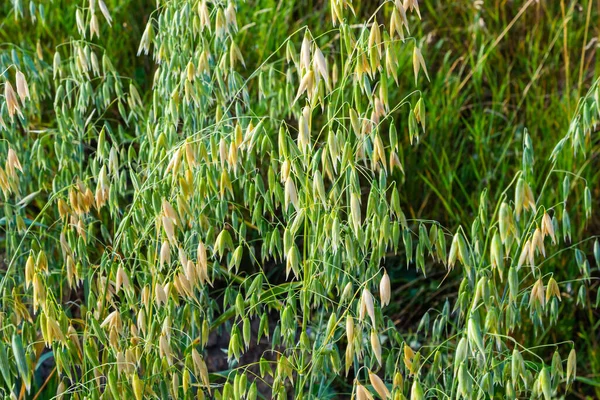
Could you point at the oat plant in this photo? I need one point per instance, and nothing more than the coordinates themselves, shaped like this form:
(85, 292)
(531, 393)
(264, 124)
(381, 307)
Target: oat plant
(246, 189)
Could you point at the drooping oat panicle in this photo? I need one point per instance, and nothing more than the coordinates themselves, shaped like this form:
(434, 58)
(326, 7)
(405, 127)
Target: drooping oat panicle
(184, 162)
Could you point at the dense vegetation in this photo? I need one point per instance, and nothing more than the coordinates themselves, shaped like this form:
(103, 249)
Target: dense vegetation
(299, 199)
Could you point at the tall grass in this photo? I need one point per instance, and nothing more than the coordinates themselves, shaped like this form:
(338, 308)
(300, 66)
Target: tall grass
(302, 199)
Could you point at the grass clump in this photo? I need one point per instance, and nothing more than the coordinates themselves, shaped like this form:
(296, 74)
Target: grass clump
(226, 199)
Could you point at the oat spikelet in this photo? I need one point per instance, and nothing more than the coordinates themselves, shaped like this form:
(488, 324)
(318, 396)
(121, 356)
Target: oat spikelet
(102, 189)
(385, 289)
(552, 290)
(165, 254)
(376, 346)
(122, 279)
(169, 228)
(418, 63)
(112, 320)
(306, 85)
(29, 271)
(204, 15)
(94, 27)
(230, 16)
(11, 101)
(538, 242)
(350, 329)
(321, 66)
(147, 37)
(538, 294)
(202, 262)
(524, 254)
(305, 53)
(22, 87)
(367, 306)
(12, 163)
(291, 194)
(200, 369)
(362, 393)
(303, 135)
(379, 386)
(355, 212)
(105, 12)
(548, 227)
(160, 296)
